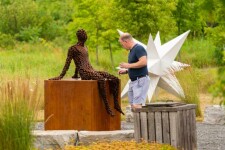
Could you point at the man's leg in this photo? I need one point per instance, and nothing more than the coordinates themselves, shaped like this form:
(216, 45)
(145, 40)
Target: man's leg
(140, 90)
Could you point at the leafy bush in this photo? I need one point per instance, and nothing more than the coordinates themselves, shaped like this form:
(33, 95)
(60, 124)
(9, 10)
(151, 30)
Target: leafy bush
(122, 145)
(219, 56)
(6, 40)
(218, 89)
(28, 34)
(17, 14)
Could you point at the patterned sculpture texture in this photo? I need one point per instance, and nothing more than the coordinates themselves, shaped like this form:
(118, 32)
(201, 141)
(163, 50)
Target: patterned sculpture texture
(79, 54)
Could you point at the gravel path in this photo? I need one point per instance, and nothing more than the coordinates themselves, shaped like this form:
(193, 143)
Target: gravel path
(209, 137)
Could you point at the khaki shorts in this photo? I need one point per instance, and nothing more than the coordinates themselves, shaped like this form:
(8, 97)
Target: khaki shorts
(138, 89)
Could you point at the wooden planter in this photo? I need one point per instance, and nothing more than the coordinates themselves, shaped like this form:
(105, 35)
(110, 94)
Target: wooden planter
(76, 105)
(174, 125)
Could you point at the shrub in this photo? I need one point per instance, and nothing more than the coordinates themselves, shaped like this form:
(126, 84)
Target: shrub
(218, 89)
(219, 56)
(28, 34)
(6, 40)
(15, 126)
(18, 103)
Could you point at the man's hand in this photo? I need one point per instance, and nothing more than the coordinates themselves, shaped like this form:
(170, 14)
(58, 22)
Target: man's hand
(124, 65)
(141, 63)
(122, 71)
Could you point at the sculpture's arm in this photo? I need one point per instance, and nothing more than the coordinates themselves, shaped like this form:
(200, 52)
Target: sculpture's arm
(66, 66)
(76, 74)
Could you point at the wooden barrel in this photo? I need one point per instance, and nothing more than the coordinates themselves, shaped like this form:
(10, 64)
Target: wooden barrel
(172, 124)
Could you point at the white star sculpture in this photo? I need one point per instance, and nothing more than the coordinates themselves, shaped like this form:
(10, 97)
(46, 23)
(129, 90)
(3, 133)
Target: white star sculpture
(161, 65)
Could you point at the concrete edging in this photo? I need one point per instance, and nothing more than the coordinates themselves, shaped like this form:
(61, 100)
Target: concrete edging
(57, 139)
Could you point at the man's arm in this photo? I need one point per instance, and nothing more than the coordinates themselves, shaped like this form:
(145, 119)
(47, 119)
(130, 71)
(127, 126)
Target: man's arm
(140, 63)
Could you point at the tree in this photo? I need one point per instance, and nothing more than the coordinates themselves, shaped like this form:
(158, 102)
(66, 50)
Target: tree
(218, 35)
(144, 17)
(187, 16)
(16, 15)
(86, 15)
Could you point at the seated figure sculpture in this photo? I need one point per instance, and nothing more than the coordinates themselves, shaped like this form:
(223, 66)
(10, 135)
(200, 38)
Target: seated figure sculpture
(79, 54)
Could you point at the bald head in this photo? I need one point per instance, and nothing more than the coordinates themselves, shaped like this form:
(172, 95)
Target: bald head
(126, 36)
(126, 40)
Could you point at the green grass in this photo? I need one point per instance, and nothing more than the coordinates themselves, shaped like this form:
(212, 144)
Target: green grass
(198, 53)
(15, 126)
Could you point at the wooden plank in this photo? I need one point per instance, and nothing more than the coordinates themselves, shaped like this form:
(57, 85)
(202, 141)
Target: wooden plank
(173, 129)
(151, 126)
(144, 126)
(166, 109)
(188, 129)
(185, 129)
(158, 124)
(180, 133)
(137, 127)
(193, 130)
(165, 127)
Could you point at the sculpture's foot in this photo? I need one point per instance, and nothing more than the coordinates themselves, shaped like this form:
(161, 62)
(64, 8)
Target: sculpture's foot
(110, 113)
(119, 110)
(75, 77)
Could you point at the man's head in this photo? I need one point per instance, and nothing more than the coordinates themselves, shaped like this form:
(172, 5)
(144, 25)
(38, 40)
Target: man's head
(81, 35)
(126, 40)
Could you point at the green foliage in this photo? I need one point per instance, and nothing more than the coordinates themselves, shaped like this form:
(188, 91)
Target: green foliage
(188, 17)
(218, 89)
(6, 41)
(217, 34)
(17, 14)
(143, 17)
(28, 34)
(219, 55)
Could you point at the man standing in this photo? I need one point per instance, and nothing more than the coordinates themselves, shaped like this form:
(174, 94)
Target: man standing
(136, 69)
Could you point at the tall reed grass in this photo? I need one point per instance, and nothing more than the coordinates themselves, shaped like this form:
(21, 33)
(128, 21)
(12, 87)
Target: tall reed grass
(190, 81)
(18, 106)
